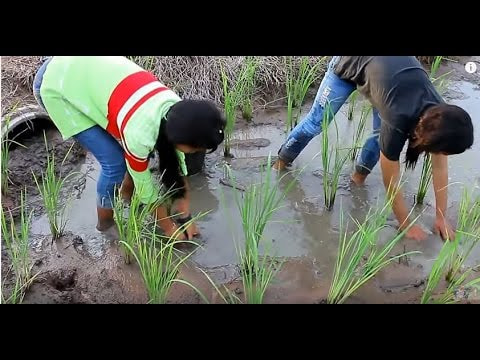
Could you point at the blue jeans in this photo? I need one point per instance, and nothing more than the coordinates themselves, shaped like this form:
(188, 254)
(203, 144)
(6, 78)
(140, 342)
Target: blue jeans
(335, 92)
(104, 148)
(108, 152)
(37, 82)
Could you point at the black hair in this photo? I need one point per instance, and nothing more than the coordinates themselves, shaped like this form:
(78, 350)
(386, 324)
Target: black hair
(442, 128)
(197, 123)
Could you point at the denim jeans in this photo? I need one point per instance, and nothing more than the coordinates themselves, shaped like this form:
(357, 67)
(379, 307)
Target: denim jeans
(37, 83)
(104, 147)
(335, 92)
(109, 153)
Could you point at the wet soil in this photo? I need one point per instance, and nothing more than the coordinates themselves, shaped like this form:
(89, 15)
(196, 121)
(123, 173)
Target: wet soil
(87, 267)
(31, 158)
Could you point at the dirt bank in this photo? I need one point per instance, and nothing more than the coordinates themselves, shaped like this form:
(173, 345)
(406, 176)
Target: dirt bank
(31, 158)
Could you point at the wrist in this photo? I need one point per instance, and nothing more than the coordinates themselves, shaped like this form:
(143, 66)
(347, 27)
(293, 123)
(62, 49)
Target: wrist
(440, 214)
(184, 218)
(167, 224)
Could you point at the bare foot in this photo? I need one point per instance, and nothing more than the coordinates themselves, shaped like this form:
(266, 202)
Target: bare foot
(279, 165)
(358, 179)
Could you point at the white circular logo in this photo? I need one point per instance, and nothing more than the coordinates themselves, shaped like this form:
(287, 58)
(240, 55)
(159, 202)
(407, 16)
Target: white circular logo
(470, 67)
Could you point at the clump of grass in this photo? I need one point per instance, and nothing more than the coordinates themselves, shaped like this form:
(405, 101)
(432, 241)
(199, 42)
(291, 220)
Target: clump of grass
(425, 178)
(50, 188)
(360, 256)
(16, 244)
(467, 235)
(440, 82)
(333, 159)
(132, 224)
(454, 253)
(256, 207)
(437, 272)
(297, 84)
(5, 153)
(230, 103)
(159, 261)
(246, 86)
(238, 94)
(5, 148)
(426, 175)
(358, 136)
(352, 102)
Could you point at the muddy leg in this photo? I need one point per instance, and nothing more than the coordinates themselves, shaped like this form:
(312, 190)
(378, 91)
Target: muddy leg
(105, 219)
(126, 190)
(110, 155)
(332, 94)
(370, 152)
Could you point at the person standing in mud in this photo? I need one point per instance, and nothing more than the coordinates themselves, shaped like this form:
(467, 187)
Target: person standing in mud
(406, 108)
(121, 114)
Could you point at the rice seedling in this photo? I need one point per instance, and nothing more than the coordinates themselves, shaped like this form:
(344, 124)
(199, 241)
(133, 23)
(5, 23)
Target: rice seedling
(5, 153)
(50, 188)
(132, 224)
(467, 235)
(352, 102)
(257, 206)
(230, 103)
(426, 175)
(246, 86)
(333, 159)
(425, 179)
(16, 244)
(159, 261)
(238, 94)
(451, 259)
(437, 272)
(360, 255)
(440, 82)
(358, 135)
(297, 84)
(5, 147)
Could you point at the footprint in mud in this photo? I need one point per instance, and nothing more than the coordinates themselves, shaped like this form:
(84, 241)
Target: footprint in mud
(62, 279)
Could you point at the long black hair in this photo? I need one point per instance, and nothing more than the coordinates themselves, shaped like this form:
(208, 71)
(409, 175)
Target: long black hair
(442, 128)
(197, 123)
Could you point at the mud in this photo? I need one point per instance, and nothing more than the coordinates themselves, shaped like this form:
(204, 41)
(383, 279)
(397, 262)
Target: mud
(87, 267)
(30, 157)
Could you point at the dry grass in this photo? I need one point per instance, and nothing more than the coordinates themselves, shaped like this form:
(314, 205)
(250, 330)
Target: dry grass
(192, 76)
(17, 79)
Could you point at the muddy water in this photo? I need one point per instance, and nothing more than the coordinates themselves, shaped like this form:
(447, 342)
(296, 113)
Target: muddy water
(302, 228)
(307, 228)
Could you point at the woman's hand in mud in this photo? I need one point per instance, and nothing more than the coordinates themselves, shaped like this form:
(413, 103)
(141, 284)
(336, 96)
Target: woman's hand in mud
(172, 230)
(443, 228)
(192, 231)
(416, 233)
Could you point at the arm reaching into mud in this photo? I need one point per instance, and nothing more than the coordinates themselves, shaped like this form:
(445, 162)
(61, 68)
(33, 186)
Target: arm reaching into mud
(183, 207)
(440, 183)
(391, 178)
